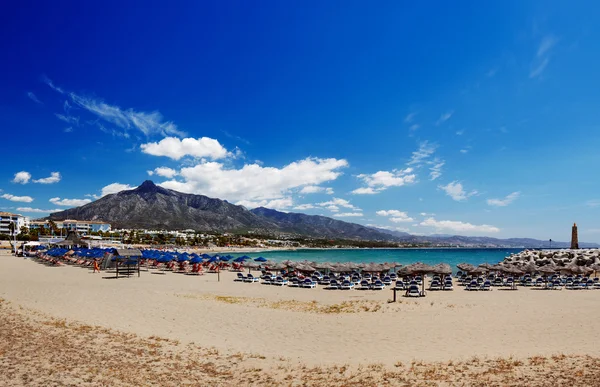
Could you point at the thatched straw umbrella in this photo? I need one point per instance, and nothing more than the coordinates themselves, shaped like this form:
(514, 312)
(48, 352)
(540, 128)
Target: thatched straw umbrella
(304, 267)
(596, 268)
(515, 271)
(486, 266)
(442, 269)
(276, 266)
(547, 270)
(422, 269)
(465, 267)
(530, 268)
(251, 265)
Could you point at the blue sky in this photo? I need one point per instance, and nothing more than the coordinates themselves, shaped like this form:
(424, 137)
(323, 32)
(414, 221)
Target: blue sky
(433, 117)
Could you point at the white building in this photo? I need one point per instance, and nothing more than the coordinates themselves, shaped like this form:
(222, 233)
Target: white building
(83, 227)
(6, 218)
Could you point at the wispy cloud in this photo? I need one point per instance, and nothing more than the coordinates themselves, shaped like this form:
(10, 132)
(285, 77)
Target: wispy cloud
(68, 119)
(149, 123)
(425, 151)
(53, 178)
(460, 132)
(457, 226)
(348, 214)
(33, 97)
(456, 191)
(383, 180)
(13, 198)
(435, 170)
(593, 203)
(410, 117)
(444, 117)
(69, 202)
(542, 57)
(504, 202)
(37, 210)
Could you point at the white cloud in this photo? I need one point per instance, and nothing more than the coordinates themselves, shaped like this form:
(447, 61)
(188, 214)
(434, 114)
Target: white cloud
(382, 180)
(504, 202)
(593, 203)
(255, 182)
(309, 189)
(53, 178)
(332, 208)
(339, 202)
(365, 191)
(390, 228)
(69, 202)
(169, 173)
(460, 132)
(456, 191)
(463, 151)
(395, 215)
(33, 97)
(13, 198)
(37, 210)
(436, 169)
(68, 130)
(444, 117)
(304, 207)
(414, 127)
(423, 153)
(175, 148)
(275, 204)
(542, 56)
(22, 177)
(426, 214)
(114, 188)
(348, 214)
(457, 226)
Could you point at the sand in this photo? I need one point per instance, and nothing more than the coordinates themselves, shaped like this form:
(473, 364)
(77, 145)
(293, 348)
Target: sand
(312, 327)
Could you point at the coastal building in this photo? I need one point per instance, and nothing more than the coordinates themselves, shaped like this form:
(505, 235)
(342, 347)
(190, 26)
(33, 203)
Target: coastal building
(82, 227)
(6, 218)
(574, 237)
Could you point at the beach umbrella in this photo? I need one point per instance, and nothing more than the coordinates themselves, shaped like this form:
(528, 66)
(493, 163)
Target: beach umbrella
(195, 260)
(514, 271)
(530, 268)
(260, 259)
(240, 259)
(325, 266)
(251, 265)
(465, 267)
(442, 268)
(486, 266)
(276, 266)
(422, 269)
(304, 267)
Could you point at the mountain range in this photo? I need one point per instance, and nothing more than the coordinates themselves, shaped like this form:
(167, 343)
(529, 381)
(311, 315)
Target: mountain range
(152, 207)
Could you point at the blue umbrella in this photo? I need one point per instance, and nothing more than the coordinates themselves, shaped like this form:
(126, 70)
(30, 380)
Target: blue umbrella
(260, 259)
(196, 260)
(240, 259)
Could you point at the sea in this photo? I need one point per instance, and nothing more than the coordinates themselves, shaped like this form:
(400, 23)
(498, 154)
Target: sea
(403, 256)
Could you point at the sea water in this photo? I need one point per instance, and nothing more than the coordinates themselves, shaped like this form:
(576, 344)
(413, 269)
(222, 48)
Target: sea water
(451, 256)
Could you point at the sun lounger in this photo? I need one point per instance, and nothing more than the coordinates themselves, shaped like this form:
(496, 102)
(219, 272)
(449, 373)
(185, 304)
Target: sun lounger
(364, 285)
(240, 278)
(378, 285)
(399, 285)
(487, 285)
(309, 283)
(347, 285)
(435, 285)
(280, 281)
(473, 285)
(448, 285)
(387, 281)
(251, 278)
(293, 283)
(413, 291)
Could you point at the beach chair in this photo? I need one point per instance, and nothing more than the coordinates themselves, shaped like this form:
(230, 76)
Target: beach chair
(355, 279)
(472, 286)
(413, 291)
(197, 270)
(498, 282)
(487, 285)
(387, 280)
(448, 285)
(435, 285)
(266, 280)
(509, 282)
(364, 285)
(294, 283)
(399, 285)
(378, 285)
(250, 278)
(240, 278)
(347, 285)
(280, 281)
(325, 280)
(309, 283)
(393, 276)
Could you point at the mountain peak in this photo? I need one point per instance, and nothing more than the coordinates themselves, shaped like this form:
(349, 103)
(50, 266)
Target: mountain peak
(148, 184)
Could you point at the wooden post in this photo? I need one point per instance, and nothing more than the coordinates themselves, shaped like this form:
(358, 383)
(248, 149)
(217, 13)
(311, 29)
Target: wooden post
(394, 294)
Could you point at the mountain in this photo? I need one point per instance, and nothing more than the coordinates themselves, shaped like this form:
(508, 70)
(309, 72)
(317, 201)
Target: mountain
(151, 207)
(320, 226)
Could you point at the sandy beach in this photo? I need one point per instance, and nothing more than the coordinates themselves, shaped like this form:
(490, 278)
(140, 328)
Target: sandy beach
(290, 328)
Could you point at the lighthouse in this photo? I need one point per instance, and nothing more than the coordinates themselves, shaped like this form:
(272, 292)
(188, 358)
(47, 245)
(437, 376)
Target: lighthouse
(574, 239)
